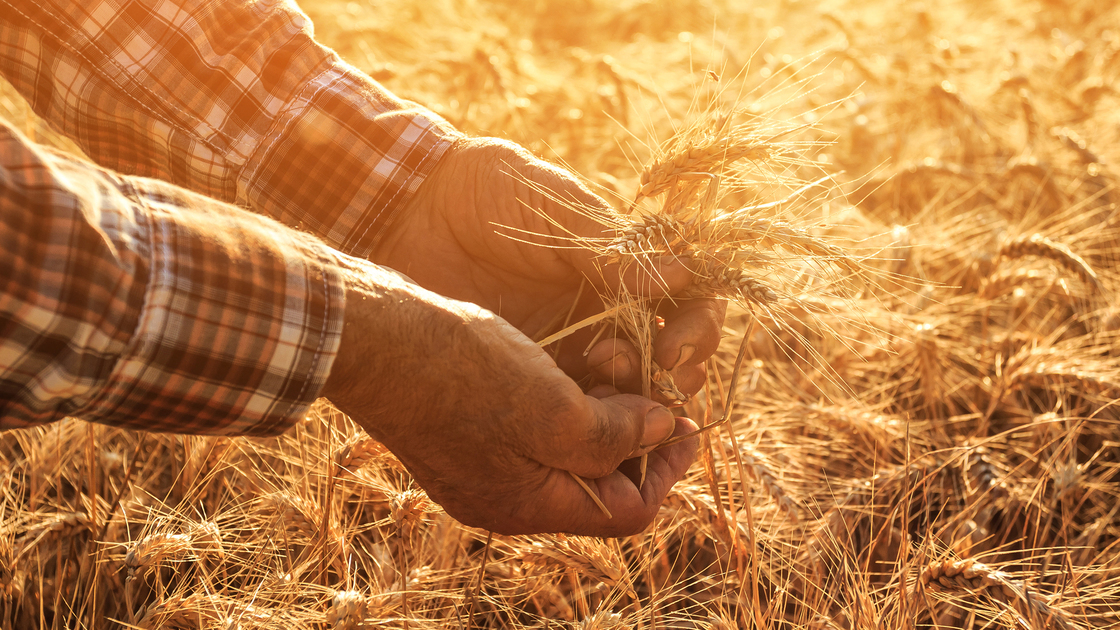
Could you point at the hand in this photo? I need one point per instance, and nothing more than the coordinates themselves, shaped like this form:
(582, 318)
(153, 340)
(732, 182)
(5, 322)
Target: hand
(487, 423)
(449, 241)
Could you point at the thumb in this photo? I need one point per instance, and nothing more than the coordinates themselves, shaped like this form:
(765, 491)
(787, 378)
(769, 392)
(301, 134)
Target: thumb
(573, 210)
(594, 437)
(648, 276)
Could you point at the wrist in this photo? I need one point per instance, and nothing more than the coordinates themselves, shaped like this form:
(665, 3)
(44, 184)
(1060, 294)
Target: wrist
(395, 337)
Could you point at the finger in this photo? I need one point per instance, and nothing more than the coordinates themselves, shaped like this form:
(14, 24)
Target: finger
(618, 362)
(661, 276)
(593, 438)
(632, 507)
(573, 210)
(558, 503)
(640, 276)
(691, 334)
(688, 379)
(664, 276)
(602, 391)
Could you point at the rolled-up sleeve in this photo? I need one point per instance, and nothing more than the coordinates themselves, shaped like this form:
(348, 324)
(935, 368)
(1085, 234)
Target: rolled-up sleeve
(132, 302)
(230, 98)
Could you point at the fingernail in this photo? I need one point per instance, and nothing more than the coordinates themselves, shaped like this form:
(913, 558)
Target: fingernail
(687, 350)
(659, 425)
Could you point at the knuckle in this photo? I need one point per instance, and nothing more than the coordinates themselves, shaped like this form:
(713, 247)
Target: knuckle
(567, 406)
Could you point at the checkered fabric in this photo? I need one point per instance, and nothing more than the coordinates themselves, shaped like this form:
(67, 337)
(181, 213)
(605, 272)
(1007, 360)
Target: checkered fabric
(133, 302)
(230, 98)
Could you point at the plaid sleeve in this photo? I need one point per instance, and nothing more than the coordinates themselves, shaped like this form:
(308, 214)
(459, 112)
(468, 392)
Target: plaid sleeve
(230, 98)
(136, 303)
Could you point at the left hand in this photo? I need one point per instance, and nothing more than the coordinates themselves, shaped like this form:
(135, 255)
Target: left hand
(449, 240)
(487, 423)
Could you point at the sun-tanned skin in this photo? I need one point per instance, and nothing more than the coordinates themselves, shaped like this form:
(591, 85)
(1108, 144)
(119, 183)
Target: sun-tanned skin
(487, 422)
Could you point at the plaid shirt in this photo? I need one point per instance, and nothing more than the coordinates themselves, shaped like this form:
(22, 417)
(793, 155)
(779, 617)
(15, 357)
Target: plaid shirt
(133, 302)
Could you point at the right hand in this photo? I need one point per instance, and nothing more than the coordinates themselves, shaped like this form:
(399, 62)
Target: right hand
(487, 423)
(448, 239)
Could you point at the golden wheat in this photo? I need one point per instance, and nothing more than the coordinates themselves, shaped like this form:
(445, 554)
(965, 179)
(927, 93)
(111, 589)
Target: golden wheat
(152, 550)
(357, 453)
(347, 611)
(56, 527)
(975, 577)
(912, 213)
(703, 160)
(1039, 246)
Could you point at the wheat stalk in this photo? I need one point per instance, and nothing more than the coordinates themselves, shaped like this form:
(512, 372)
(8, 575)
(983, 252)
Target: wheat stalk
(407, 509)
(1039, 246)
(357, 453)
(55, 527)
(292, 512)
(647, 235)
(587, 556)
(975, 577)
(198, 610)
(732, 283)
(206, 539)
(150, 551)
(1065, 378)
(753, 461)
(708, 156)
(347, 610)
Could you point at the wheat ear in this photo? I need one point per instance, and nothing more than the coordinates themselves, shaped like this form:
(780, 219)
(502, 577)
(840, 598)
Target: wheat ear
(1042, 247)
(347, 611)
(975, 577)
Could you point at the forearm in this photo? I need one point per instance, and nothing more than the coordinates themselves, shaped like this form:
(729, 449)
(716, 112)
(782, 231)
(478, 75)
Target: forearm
(231, 98)
(134, 303)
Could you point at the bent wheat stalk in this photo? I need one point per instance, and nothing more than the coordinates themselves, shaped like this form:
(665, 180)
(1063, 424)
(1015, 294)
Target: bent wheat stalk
(975, 577)
(1041, 247)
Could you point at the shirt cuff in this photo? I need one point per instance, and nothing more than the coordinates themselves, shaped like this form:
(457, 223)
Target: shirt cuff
(240, 324)
(350, 150)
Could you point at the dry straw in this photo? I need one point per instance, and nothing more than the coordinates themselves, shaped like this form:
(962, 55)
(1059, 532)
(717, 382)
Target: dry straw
(347, 610)
(927, 365)
(151, 551)
(1039, 246)
(200, 611)
(975, 578)
(55, 528)
(357, 453)
(753, 463)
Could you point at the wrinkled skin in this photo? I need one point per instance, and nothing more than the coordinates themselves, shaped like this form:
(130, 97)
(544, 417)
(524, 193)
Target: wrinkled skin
(489, 424)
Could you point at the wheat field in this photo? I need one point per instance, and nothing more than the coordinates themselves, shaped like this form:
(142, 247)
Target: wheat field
(927, 437)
